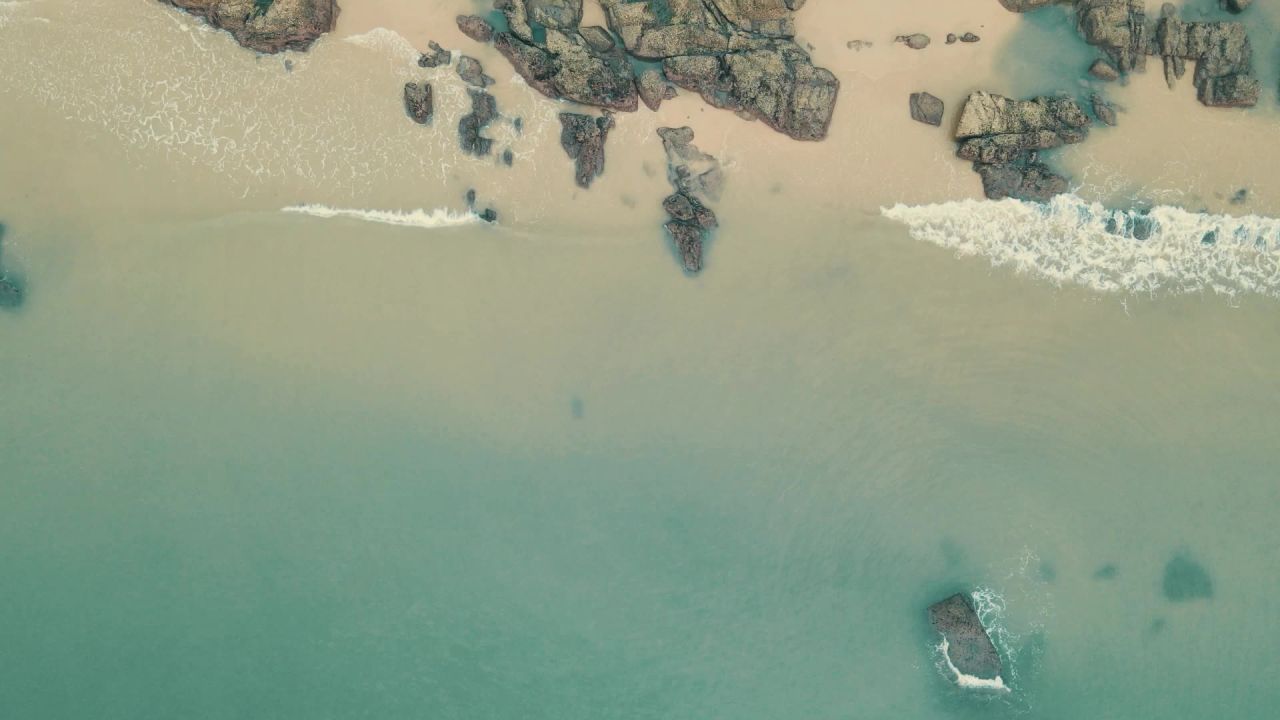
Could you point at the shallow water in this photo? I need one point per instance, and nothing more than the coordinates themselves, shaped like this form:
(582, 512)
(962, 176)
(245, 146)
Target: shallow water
(269, 464)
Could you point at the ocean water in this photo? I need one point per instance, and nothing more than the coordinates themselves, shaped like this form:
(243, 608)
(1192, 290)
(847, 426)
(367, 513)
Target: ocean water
(288, 434)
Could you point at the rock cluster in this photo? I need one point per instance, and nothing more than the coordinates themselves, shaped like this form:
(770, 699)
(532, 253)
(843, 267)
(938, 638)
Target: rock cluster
(1003, 138)
(969, 649)
(697, 180)
(268, 26)
(484, 109)
(437, 57)
(583, 138)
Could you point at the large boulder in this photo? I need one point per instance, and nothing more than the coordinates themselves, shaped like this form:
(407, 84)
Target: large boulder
(969, 650)
(268, 26)
(1003, 137)
(1222, 54)
(583, 138)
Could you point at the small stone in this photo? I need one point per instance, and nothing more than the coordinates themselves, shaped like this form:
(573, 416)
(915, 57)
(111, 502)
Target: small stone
(951, 38)
(915, 41)
(1235, 6)
(926, 108)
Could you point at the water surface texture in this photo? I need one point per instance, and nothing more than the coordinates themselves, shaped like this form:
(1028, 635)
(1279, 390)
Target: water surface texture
(286, 433)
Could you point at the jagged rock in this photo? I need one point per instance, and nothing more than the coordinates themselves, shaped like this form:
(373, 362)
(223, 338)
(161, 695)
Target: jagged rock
(583, 138)
(565, 66)
(437, 57)
(1103, 110)
(968, 647)
(1002, 137)
(483, 111)
(268, 26)
(418, 102)
(1235, 6)
(654, 88)
(1102, 69)
(696, 178)
(472, 72)
(926, 108)
(969, 38)
(777, 84)
(475, 27)
(1221, 51)
(915, 41)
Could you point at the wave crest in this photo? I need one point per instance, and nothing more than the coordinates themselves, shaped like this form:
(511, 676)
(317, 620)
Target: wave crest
(1069, 240)
(419, 218)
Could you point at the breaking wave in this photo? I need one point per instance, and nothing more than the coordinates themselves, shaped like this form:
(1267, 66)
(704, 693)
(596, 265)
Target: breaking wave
(431, 219)
(1069, 240)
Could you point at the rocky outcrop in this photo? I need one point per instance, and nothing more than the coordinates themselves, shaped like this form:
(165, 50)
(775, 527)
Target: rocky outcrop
(697, 180)
(268, 26)
(1221, 52)
(484, 109)
(566, 66)
(472, 72)
(475, 27)
(583, 138)
(1003, 138)
(437, 57)
(968, 648)
(1118, 28)
(926, 108)
(418, 104)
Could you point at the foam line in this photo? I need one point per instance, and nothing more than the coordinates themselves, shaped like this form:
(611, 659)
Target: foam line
(430, 219)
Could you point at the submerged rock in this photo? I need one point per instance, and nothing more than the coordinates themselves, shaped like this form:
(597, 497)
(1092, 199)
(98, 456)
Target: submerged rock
(1185, 579)
(1103, 110)
(969, 650)
(10, 293)
(437, 57)
(418, 102)
(1102, 69)
(483, 111)
(583, 138)
(926, 108)
(268, 26)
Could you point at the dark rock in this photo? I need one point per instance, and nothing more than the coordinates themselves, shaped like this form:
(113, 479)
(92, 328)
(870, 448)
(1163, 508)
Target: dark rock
(489, 215)
(1240, 196)
(686, 208)
(1102, 69)
(969, 38)
(472, 72)
(1235, 6)
(10, 293)
(475, 27)
(968, 648)
(696, 178)
(1020, 179)
(483, 110)
(915, 41)
(583, 138)
(268, 26)
(1185, 579)
(508, 157)
(567, 67)
(688, 239)
(1103, 110)
(951, 38)
(926, 108)
(470, 198)
(437, 57)
(418, 102)
(654, 89)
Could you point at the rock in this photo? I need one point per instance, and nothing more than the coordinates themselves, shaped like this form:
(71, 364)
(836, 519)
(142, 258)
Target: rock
(915, 41)
(483, 110)
(696, 178)
(1103, 110)
(489, 215)
(268, 26)
(418, 102)
(654, 88)
(508, 157)
(561, 14)
(598, 38)
(1101, 69)
(583, 138)
(1222, 54)
(1240, 196)
(1003, 137)
(1117, 27)
(437, 57)
(1235, 6)
(951, 38)
(472, 72)
(969, 38)
(567, 67)
(926, 108)
(657, 30)
(968, 648)
(475, 27)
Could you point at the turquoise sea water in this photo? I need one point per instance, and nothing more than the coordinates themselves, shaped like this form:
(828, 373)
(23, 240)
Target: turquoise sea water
(258, 464)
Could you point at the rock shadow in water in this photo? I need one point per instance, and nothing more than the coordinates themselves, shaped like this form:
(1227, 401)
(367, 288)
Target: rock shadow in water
(1185, 580)
(1106, 572)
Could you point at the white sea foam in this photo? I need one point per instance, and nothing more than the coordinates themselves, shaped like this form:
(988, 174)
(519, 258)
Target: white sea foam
(430, 219)
(1069, 240)
(385, 41)
(969, 681)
